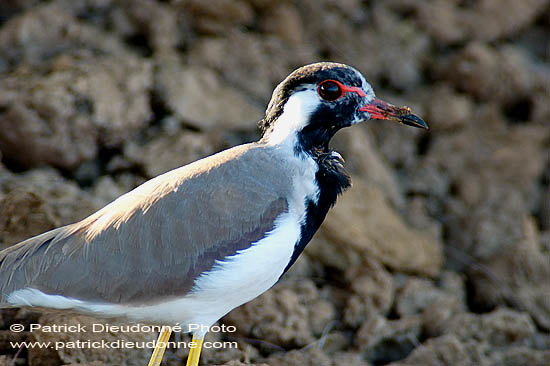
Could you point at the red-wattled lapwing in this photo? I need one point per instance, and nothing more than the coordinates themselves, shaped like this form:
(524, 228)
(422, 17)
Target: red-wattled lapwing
(192, 244)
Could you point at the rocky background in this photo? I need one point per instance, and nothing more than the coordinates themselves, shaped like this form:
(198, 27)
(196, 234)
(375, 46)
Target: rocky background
(438, 255)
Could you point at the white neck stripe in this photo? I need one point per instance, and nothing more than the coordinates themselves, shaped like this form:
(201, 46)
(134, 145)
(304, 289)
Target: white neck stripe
(296, 114)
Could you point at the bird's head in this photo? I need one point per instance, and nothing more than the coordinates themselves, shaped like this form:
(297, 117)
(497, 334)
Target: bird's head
(317, 100)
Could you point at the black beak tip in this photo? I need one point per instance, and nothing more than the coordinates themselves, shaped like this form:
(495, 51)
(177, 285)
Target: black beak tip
(414, 121)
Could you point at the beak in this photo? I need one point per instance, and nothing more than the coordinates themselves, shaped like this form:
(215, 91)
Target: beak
(379, 109)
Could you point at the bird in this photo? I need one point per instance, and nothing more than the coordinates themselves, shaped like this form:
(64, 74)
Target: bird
(190, 245)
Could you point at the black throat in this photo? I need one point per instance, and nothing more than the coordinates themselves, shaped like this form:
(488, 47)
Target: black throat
(332, 180)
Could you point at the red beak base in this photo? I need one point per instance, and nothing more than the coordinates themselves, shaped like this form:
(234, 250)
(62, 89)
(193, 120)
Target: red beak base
(378, 109)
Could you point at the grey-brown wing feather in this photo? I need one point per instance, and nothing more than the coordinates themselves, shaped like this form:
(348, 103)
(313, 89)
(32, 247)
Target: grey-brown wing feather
(151, 243)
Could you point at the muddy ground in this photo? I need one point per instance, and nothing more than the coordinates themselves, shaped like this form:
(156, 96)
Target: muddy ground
(438, 255)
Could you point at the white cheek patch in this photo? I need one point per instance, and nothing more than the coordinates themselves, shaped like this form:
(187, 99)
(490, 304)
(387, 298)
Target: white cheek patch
(297, 111)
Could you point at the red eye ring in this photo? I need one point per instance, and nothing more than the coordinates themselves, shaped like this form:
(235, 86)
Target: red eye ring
(332, 90)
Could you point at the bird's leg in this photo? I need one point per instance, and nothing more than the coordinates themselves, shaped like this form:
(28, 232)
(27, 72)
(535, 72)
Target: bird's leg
(195, 352)
(162, 341)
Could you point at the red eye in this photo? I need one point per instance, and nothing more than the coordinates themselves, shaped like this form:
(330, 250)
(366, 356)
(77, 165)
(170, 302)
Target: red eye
(330, 90)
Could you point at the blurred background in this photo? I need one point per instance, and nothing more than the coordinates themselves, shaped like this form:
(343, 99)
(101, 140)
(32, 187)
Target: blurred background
(438, 255)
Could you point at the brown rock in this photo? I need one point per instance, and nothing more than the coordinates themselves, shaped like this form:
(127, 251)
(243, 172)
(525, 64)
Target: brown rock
(304, 267)
(221, 355)
(218, 15)
(541, 110)
(60, 117)
(292, 314)
(107, 189)
(445, 351)
(489, 226)
(436, 315)
(363, 224)
(399, 146)
(417, 295)
(383, 340)
(520, 356)
(495, 17)
(38, 356)
(358, 310)
(333, 342)
(157, 22)
(198, 97)
(350, 32)
(374, 282)
(518, 275)
(485, 179)
(363, 160)
(419, 215)
(309, 356)
(472, 348)
(490, 74)
(501, 327)
(240, 363)
(400, 62)
(24, 214)
(449, 299)
(70, 351)
(284, 21)
(92, 363)
(373, 292)
(9, 8)
(446, 110)
(240, 57)
(38, 201)
(50, 29)
(168, 152)
(448, 28)
(7, 337)
(485, 20)
(348, 359)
